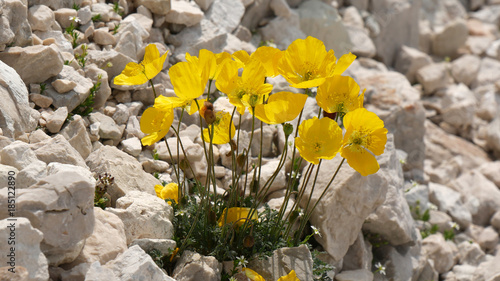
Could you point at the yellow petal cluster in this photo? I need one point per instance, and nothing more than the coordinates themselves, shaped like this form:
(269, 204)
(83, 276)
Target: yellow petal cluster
(365, 137)
(280, 108)
(306, 63)
(339, 94)
(140, 73)
(236, 215)
(169, 191)
(318, 139)
(224, 129)
(155, 123)
(254, 276)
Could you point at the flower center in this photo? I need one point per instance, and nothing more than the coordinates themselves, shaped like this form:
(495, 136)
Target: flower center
(317, 147)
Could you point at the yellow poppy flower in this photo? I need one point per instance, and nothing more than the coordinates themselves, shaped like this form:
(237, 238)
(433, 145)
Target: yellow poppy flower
(247, 90)
(292, 276)
(306, 63)
(252, 275)
(156, 124)
(339, 94)
(222, 132)
(236, 215)
(365, 137)
(269, 57)
(280, 108)
(169, 191)
(140, 73)
(318, 139)
(241, 57)
(208, 62)
(189, 80)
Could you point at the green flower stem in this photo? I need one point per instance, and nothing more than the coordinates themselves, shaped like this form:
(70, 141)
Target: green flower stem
(303, 222)
(309, 213)
(249, 152)
(178, 141)
(185, 155)
(153, 87)
(171, 159)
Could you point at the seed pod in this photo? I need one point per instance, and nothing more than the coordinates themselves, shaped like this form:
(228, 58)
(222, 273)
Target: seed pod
(208, 112)
(330, 115)
(248, 241)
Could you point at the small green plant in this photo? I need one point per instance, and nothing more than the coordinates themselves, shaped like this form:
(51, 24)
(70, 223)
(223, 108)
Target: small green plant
(103, 181)
(96, 17)
(156, 156)
(320, 268)
(86, 107)
(375, 240)
(116, 8)
(71, 30)
(43, 87)
(82, 58)
(157, 257)
(76, 6)
(115, 29)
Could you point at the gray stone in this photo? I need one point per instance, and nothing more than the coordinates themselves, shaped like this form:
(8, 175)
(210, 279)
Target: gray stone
(62, 85)
(488, 72)
(362, 44)
(17, 154)
(27, 250)
(161, 7)
(103, 37)
(255, 12)
(493, 136)
(450, 201)
(204, 4)
(98, 75)
(31, 174)
(165, 246)
(435, 247)
(103, 58)
(41, 100)
(61, 206)
(5, 172)
(283, 31)
(64, 15)
(144, 216)
(359, 255)
(14, 18)
(16, 116)
(470, 253)
(34, 64)
(130, 40)
(226, 14)
(126, 170)
(132, 146)
(322, 21)
(351, 275)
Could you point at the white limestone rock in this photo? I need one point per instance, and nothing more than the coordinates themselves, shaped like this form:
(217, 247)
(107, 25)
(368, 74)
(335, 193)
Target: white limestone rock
(339, 216)
(126, 170)
(434, 76)
(57, 119)
(40, 17)
(226, 14)
(27, 250)
(34, 64)
(108, 129)
(144, 216)
(106, 242)
(359, 255)
(450, 201)
(447, 41)
(76, 134)
(17, 154)
(31, 174)
(61, 206)
(436, 248)
(64, 15)
(16, 114)
(359, 274)
(132, 146)
(165, 246)
(488, 72)
(322, 21)
(204, 4)
(409, 61)
(493, 136)
(465, 69)
(63, 85)
(103, 37)
(283, 30)
(161, 7)
(14, 20)
(185, 13)
(192, 266)
(282, 261)
(57, 149)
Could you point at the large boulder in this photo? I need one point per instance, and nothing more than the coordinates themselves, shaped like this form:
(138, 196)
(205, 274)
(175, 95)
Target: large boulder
(16, 116)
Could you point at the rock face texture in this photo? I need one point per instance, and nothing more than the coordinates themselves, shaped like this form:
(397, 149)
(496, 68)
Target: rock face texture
(429, 69)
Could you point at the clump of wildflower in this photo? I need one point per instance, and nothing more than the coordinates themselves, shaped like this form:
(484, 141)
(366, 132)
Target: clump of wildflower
(380, 268)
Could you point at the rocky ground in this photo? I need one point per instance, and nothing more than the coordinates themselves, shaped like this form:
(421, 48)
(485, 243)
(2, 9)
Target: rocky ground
(431, 69)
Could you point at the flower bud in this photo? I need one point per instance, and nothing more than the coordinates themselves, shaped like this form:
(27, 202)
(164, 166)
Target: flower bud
(330, 115)
(248, 241)
(287, 129)
(207, 112)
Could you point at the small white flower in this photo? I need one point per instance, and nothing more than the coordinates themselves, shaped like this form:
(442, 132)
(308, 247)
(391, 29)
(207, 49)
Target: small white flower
(432, 206)
(242, 261)
(315, 230)
(232, 279)
(454, 225)
(74, 19)
(380, 268)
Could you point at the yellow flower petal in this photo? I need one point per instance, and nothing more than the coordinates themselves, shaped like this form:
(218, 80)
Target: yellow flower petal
(318, 139)
(269, 57)
(343, 63)
(236, 215)
(137, 74)
(156, 123)
(292, 276)
(223, 133)
(339, 94)
(241, 57)
(252, 275)
(170, 191)
(168, 103)
(280, 108)
(195, 106)
(186, 77)
(365, 137)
